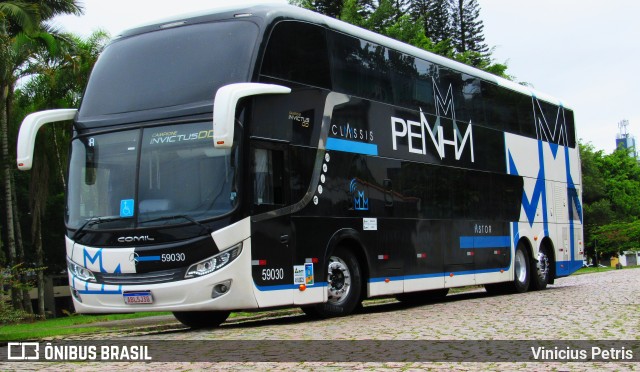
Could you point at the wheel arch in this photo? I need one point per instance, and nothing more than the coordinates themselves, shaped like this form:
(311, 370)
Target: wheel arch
(527, 246)
(350, 238)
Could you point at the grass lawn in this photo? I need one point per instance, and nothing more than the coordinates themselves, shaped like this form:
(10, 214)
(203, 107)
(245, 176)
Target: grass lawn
(591, 270)
(62, 326)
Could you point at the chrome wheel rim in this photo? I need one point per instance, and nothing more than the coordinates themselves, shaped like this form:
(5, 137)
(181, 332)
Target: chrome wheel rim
(543, 265)
(338, 281)
(521, 266)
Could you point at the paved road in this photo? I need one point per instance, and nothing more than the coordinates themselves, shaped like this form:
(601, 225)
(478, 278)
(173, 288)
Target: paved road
(602, 306)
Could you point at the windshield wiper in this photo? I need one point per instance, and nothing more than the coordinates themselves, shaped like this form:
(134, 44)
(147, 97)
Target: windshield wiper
(190, 219)
(93, 221)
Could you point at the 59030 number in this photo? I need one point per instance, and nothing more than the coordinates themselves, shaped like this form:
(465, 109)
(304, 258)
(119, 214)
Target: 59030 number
(272, 274)
(173, 257)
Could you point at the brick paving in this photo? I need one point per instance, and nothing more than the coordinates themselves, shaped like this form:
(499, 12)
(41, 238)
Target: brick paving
(601, 306)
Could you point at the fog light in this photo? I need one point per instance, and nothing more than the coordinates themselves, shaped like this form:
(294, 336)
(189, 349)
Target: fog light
(221, 288)
(76, 294)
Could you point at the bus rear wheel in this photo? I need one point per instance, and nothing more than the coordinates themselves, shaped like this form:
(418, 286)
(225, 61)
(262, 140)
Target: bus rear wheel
(541, 270)
(201, 319)
(344, 286)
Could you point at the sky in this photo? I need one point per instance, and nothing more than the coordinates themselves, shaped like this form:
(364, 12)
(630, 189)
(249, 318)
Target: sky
(583, 52)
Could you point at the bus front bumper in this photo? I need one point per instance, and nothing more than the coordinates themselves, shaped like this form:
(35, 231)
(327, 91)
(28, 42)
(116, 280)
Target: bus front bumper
(195, 294)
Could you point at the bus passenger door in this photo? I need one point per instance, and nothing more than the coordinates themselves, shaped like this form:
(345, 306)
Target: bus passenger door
(271, 255)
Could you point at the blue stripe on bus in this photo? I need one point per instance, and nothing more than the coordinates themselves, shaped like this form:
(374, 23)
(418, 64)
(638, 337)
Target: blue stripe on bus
(391, 278)
(424, 276)
(351, 146)
(437, 275)
(99, 292)
(467, 242)
(287, 286)
(148, 258)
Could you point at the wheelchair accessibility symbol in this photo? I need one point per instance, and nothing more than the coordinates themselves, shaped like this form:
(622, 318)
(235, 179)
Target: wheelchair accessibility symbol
(126, 208)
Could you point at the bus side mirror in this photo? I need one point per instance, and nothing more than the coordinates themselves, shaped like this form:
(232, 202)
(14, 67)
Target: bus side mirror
(29, 129)
(224, 108)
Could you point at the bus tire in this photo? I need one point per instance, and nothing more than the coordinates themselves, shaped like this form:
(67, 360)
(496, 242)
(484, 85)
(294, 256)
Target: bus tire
(344, 286)
(422, 297)
(541, 270)
(201, 319)
(522, 269)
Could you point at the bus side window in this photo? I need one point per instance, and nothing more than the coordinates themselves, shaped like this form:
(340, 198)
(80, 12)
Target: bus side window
(297, 52)
(269, 181)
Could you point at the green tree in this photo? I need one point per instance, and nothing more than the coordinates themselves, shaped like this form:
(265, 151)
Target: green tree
(351, 13)
(23, 32)
(616, 237)
(57, 81)
(334, 8)
(467, 30)
(383, 17)
(622, 179)
(435, 16)
(611, 189)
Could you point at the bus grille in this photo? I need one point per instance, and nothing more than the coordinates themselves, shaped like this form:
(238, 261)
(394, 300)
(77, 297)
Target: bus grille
(141, 278)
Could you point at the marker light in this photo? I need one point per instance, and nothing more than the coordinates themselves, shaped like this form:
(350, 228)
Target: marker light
(80, 272)
(214, 263)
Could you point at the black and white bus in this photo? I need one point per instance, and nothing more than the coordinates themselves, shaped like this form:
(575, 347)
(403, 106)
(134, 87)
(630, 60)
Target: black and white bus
(270, 156)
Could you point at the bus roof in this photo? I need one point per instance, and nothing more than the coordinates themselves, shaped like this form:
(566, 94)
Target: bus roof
(279, 11)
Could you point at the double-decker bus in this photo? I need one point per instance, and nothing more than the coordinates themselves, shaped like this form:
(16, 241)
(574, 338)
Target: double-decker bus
(269, 156)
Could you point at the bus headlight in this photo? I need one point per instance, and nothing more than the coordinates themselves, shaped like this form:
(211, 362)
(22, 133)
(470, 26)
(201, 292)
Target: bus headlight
(80, 272)
(214, 263)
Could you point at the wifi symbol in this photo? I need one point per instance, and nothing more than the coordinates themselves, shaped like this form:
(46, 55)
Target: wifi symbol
(353, 185)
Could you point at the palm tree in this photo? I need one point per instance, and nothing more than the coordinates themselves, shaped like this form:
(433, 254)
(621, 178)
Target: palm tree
(23, 31)
(57, 81)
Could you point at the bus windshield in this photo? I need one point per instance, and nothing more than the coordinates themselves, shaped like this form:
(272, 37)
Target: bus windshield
(142, 177)
(171, 67)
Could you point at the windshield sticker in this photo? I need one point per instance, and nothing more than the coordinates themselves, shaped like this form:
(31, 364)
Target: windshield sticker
(126, 208)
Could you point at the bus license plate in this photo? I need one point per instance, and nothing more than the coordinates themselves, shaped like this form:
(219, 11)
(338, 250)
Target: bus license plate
(137, 297)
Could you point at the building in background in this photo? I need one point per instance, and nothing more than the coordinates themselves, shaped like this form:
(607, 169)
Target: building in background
(626, 140)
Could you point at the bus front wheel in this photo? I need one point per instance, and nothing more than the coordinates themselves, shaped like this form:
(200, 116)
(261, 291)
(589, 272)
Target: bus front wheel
(344, 286)
(201, 319)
